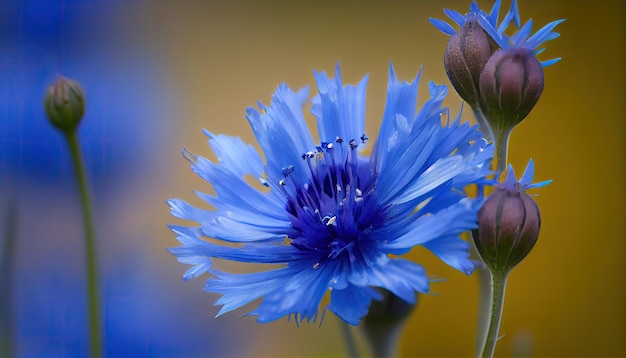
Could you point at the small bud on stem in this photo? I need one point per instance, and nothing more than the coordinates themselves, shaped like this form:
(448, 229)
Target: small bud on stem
(65, 104)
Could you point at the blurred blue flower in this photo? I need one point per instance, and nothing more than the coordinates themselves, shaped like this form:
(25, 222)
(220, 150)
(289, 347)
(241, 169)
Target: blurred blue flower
(329, 215)
(128, 110)
(41, 39)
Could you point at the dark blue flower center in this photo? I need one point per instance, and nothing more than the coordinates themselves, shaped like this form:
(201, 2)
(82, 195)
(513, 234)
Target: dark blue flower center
(332, 215)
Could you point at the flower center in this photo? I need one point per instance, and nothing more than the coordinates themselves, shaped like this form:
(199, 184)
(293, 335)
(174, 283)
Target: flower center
(331, 215)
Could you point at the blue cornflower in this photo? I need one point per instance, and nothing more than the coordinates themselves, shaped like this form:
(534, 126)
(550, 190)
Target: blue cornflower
(330, 216)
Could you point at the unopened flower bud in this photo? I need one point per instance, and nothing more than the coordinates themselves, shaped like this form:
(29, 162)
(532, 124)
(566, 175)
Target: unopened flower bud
(510, 85)
(65, 104)
(508, 226)
(467, 52)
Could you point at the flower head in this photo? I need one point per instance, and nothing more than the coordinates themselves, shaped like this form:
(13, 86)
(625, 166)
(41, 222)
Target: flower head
(509, 222)
(330, 216)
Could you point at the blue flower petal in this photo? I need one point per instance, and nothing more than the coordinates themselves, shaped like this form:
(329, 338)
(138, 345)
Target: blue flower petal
(240, 289)
(455, 16)
(525, 182)
(529, 173)
(442, 26)
(352, 302)
(544, 34)
(340, 110)
(401, 277)
(282, 133)
(233, 190)
(401, 103)
(194, 246)
(453, 251)
(236, 156)
(201, 263)
(299, 295)
(435, 175)
(493, 14)
(453, 220)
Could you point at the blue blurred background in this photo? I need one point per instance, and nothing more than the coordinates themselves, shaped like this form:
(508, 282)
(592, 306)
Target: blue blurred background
(156, 72)
(128, 118)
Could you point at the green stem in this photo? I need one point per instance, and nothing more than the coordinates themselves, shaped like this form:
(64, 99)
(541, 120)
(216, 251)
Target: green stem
(95, 335)
(7, 254)
(498, 287)
(383, 324)
(384, 340)
(502, 146)
(348, 337)
(484, 307)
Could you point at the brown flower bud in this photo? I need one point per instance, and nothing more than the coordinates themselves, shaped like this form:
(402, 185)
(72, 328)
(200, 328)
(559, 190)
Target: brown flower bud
(467, 52)
(510, 85)
(508, 227)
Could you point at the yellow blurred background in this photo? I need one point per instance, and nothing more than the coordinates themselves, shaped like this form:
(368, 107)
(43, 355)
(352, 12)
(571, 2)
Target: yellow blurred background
(215, 58)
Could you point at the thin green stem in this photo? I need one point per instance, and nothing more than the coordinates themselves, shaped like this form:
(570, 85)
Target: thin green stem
(498, 287)
(502, 146)
(384, 339)
(484, 307)
(7, 254)
(348, 338)
(95, 334)
(384, 322)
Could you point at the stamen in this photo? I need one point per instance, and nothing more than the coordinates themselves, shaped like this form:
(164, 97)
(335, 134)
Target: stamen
(288, 170)
(331, 221)
(359, 195)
